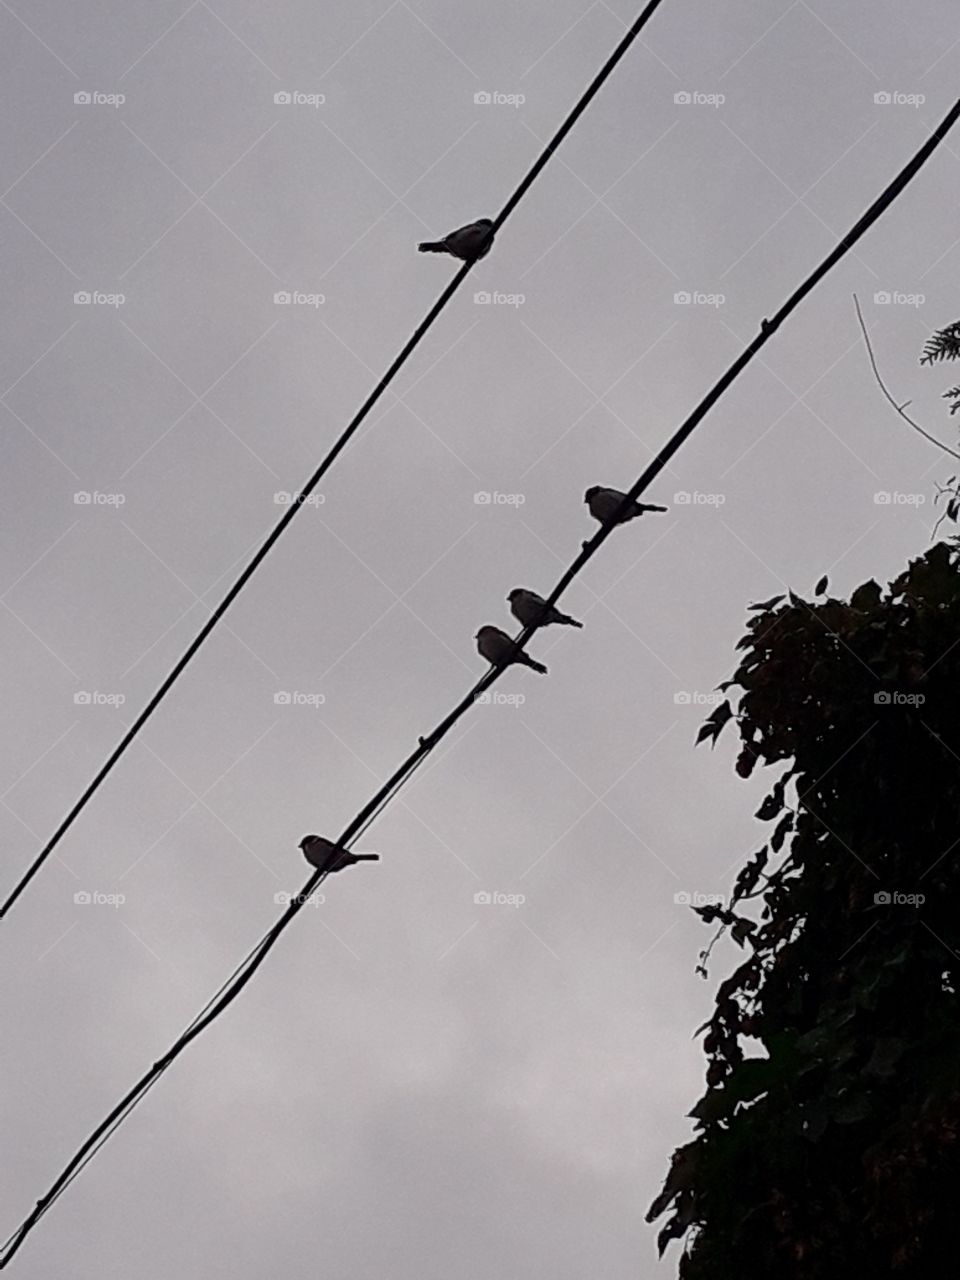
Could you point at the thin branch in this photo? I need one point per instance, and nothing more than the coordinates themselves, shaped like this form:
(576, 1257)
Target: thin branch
(883, 387)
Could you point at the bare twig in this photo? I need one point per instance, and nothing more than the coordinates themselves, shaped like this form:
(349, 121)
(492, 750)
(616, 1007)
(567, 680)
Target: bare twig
(883, 387)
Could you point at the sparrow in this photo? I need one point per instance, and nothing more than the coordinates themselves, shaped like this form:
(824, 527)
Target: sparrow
(329, 857)
(495, 645)
(471, 243)
(529, 608)
(604, 502)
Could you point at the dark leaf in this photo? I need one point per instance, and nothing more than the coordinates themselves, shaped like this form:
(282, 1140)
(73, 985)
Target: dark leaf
(742, 930)
(765, 604)
(720, 714)
(714, 723)
(780, 832)
(944, 345)
(751, 1078)
(821, 586)
(711, 1106)
(772, 805)
(747, 880)
(745, 762)
(773, 802)
(886, 1054)
(866, 597)
(683, 1166)
(712, 911)
(672, 1231)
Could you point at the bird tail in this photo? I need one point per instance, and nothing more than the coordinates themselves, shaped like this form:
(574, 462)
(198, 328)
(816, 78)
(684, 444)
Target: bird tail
(532, 662)
(648, 506)
(570, 622)
(432, 246)
(348, 859)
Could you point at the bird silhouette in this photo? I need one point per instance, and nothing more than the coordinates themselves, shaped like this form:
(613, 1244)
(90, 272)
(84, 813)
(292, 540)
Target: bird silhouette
(529, 608)
(471, 243)
(603, 504)
(495, 645)
(329, 857)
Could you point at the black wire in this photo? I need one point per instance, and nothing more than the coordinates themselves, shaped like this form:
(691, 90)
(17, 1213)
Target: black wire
(227, 992)
(325, 465)
(767, 330)
(245, 971)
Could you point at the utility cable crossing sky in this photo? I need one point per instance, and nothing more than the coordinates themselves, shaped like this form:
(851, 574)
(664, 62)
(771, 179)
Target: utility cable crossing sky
(263, 551)
(246, 969)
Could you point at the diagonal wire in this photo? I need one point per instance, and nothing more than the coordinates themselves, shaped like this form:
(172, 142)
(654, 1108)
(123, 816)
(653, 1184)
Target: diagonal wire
(265, 548)
(246, 969)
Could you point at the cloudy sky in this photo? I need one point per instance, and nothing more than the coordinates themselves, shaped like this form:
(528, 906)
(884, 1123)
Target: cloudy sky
(417, 1084)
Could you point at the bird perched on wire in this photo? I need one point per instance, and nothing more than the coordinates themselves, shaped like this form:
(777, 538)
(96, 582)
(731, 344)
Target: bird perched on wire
(529, 608)
(329, 857)
(495, 645)
(603, 503)
(471, 243)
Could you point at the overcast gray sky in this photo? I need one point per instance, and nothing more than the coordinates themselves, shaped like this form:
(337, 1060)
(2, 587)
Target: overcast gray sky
(416, 1085)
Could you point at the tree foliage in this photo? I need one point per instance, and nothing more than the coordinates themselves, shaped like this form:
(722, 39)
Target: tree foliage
(827, 1137)
(945, 345)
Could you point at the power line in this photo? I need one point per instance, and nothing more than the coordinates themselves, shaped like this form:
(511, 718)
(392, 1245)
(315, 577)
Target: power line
(245, 971)
(261, 554)
(113, 1121)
